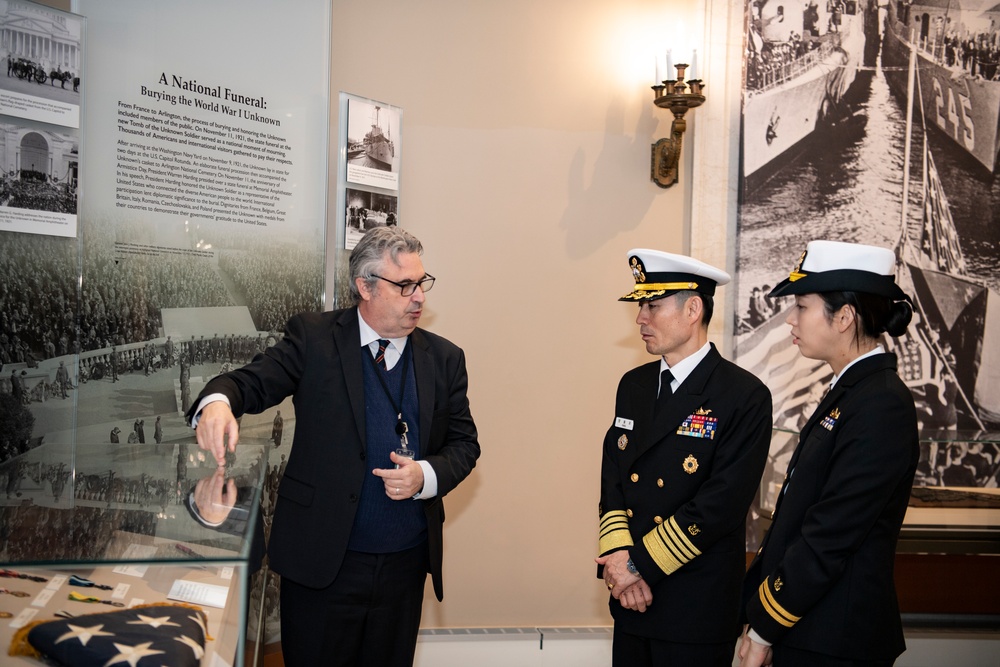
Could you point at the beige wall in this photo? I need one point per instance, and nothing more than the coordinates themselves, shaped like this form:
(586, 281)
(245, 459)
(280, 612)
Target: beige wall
(525, 172)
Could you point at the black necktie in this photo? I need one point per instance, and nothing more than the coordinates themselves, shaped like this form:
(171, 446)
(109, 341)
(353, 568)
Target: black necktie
(666, 377)
(380, 356)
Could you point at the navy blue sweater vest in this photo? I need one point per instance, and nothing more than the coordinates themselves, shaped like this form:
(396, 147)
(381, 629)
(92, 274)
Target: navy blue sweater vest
(382, 525)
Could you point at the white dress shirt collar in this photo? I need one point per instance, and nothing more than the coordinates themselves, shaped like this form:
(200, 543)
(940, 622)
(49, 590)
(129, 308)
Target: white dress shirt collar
(370, 338)
(878, 350)
(685, 366)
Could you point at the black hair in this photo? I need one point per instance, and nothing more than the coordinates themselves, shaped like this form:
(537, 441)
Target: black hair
(874, 314)
(708, 304)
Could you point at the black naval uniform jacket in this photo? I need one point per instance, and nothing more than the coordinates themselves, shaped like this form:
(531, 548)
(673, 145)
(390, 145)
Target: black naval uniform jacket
(823, 578)
(318, 363)
(675, 491)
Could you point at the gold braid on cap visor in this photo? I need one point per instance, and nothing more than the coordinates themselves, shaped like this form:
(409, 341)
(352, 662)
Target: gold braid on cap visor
(662, 287)
(796, 275)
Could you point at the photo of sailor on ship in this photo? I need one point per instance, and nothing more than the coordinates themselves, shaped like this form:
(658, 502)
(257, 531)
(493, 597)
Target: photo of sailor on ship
(863, 122)
(373, 139)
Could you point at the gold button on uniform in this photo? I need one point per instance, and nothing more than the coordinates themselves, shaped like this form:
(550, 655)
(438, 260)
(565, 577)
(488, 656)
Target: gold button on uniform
(657, 520)
(659, 483)
(629, 513)
(635, 477)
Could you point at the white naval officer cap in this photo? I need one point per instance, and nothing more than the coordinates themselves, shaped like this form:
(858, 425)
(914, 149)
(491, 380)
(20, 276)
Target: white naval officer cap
(835, 266)
(659, 274)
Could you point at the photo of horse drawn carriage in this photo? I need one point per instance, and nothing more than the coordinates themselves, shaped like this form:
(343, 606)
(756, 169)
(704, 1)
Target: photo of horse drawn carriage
(28, 70)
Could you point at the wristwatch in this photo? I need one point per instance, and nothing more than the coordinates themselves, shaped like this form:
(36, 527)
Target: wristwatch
(631, 568)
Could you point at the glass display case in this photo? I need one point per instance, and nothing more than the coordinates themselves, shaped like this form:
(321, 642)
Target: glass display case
(94, 528)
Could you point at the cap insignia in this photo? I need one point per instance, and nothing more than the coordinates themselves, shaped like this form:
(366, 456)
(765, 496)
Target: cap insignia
(796, 273)
(638, 270)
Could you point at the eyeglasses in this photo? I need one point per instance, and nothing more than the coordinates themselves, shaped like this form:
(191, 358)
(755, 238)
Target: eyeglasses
(409, 287)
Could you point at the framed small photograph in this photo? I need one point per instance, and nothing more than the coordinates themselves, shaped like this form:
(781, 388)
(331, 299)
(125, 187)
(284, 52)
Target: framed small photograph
(366, 210)
(373, 144)
(42, 49)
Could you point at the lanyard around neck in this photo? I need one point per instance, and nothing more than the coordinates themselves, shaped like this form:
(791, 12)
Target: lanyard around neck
(397, 406)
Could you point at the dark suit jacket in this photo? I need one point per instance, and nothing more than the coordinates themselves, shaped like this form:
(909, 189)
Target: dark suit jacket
(318, 363)
(823, 578)
(678, 502)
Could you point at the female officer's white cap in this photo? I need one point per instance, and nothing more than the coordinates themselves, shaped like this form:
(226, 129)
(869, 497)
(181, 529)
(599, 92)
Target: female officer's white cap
(834, 266)
(659, 274)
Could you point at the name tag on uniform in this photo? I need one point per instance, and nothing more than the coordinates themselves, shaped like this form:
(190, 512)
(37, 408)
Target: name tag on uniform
(621, 422)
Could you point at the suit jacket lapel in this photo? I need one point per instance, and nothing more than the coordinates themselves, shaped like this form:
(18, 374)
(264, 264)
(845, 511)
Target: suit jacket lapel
(424, 370)
(688, 398)
(347, 336)
(852, 376)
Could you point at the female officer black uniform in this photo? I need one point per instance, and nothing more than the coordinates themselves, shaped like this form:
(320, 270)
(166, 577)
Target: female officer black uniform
(820, 590)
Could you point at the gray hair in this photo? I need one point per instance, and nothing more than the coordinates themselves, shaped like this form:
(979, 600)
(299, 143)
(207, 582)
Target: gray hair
(366, 258)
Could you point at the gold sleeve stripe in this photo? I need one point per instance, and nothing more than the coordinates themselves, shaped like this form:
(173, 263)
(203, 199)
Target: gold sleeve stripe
(681, 539)
(614, 517)
(660, 554)
(775, 610)
(669, 547)
(614, 533)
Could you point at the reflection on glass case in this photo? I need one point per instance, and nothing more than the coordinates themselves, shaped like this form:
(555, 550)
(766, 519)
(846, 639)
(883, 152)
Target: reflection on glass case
(94, 529)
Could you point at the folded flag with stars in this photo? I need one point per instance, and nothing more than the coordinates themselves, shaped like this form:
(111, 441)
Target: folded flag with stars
(143, 636)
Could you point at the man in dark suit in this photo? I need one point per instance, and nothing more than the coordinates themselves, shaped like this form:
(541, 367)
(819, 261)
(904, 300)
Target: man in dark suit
(682, 462)
(383, 432)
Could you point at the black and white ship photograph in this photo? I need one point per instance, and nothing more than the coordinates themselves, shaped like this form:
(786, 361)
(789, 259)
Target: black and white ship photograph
(875, 123)
(373, 139)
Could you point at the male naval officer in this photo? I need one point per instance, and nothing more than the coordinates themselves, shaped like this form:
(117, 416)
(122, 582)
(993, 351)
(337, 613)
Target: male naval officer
(681, 464)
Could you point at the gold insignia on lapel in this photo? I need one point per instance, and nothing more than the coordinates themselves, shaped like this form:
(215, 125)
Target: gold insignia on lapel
(638, 270)
(690, 464)
(830, 420)
(694, 529)
(778, 583)
(623, 442)
(701, 412)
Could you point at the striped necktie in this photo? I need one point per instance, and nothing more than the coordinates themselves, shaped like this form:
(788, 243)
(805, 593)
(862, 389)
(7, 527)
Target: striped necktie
(380, 356)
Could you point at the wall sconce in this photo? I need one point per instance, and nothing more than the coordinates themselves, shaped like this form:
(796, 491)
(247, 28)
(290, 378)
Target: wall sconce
(673, 94)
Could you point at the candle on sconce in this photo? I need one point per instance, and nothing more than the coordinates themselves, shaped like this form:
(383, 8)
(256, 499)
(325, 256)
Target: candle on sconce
(670, 66)
(656, 64)
(693, 70)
